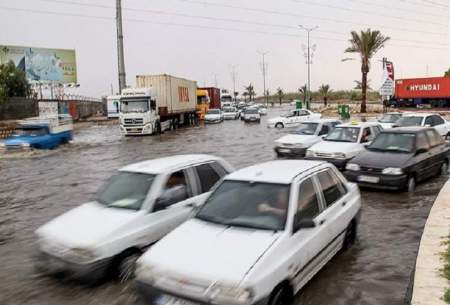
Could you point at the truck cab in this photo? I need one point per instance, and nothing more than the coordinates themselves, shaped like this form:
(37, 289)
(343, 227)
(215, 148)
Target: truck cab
(203, 101)
(138, 112)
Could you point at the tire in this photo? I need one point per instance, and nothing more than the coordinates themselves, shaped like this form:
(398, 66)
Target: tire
(411, 184)
(157, 128)
(350, 236)
(281, 296)
(444, 169)
(279, 125)
(126, 265)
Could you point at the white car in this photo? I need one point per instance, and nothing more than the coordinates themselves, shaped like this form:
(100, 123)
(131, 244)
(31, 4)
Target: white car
(425, 120)
(262, 110)
(389, 119)
(230, 113)
(251, 114)
(293, 118)
(214, 116)
(264, 232)
(306, 135)
(136, 208)
(344, 143)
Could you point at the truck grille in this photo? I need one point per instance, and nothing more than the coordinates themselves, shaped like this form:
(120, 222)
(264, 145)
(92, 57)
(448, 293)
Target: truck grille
(133, 121)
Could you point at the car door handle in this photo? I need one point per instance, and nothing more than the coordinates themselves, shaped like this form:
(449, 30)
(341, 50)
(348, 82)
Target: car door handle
(344, 203)
(322, 222)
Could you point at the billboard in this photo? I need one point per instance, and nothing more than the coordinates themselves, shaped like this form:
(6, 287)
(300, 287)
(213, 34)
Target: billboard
(42, 65)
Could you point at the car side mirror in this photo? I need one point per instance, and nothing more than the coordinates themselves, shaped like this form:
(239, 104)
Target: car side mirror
(421, 151)
(170, 196)
(303, 223)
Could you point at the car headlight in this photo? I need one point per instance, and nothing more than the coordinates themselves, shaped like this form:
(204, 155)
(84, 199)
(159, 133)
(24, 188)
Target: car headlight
(392, 171)
(79, 255)
(340, 156)
(310, 153)
(352, 167)
(25, 145)
(230, 294)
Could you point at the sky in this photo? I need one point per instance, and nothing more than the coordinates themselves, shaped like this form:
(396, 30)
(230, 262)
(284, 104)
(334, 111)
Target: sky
(203, 40)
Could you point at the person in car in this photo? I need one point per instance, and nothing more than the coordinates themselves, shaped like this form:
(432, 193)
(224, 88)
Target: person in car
(277, 207)
(177, 184)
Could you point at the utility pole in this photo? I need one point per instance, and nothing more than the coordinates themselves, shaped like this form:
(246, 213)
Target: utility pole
(234, 77)
(264, 70)
(120, 55)
(309, 55)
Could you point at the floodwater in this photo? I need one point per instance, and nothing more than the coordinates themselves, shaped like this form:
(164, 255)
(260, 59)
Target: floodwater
(40, 186)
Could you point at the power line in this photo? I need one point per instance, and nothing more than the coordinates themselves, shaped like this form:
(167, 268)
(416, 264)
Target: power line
(202, 27)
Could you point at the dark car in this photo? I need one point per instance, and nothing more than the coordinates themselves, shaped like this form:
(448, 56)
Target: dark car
(399, 158)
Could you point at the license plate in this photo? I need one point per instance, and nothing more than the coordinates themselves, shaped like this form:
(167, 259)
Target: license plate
(168, 300)
(284, 150)
(368, 179)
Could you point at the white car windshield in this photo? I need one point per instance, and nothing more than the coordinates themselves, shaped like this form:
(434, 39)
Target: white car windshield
(126, 190)
(344, 134)
(408, 121)
(251, 111)
(390, 118)
(213, 111)
(261, 206)
(134, 106)
(307, 129)
(229, 109)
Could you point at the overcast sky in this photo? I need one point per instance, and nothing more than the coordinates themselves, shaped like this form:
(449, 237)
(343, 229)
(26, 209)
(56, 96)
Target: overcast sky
(203, 39)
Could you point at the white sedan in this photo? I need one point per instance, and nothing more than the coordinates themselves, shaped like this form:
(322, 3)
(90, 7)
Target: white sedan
(293, 118)
(137, 207)
(263, 233)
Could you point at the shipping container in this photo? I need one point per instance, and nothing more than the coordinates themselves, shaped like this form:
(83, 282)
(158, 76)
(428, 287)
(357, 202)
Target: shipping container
(214, 96)
(173, 94)
(431, 88)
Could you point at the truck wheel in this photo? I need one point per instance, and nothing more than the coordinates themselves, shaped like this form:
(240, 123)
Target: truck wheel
(157, 128)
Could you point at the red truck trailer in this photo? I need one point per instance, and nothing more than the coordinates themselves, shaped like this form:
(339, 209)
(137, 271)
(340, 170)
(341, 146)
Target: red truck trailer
(214, 96)
(415, 91)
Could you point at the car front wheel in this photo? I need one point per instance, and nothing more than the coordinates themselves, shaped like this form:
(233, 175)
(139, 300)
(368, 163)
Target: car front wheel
(411, 185)
(281, 296)
(126, 266)
(444, 169)
(279, 125)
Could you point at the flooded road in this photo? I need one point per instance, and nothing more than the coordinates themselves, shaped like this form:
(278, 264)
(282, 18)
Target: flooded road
(35, 189)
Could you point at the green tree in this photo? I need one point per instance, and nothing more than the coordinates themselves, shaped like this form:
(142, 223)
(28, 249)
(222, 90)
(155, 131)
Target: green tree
(280, 94)
(303, 93)
(358, 85)
(13, 82)
(250, 91)
(245, 94)
(447, 73)
(367, 44)
(325, 91)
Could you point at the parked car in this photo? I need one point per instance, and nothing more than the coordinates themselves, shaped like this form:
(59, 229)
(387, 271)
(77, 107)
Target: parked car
(399, 158)
(264, 232)
(389, 119)
(137, 207)
(39, 133)
(293, 118)
(425, 120)
(230, 113)
(252, 115)
(344, 143)
(262, 110)
(214, 116)
(306, 135)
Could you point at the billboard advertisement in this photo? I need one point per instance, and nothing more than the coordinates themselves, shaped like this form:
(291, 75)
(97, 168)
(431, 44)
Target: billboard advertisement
(42, 65)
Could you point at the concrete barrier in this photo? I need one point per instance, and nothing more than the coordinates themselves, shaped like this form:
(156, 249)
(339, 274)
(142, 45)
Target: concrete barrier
(429, 284)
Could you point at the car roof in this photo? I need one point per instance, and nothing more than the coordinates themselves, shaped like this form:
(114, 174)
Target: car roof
(359, 124)
(411, 129)
(279, 171)
(161, 165)
(420, 114)
(322, 121)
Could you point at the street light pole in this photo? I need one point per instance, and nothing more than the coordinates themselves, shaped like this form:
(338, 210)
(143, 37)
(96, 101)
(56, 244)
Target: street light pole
(263, 54)
(308, 61)
(233, 77)
(120, 52)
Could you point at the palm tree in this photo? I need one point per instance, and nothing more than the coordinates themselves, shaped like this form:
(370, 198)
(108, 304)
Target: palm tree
(280, 94)
(358, 85)
(245, 94)
(447, 73)
(303, 92)
(325, 91)
(367, 43)
(250, 91)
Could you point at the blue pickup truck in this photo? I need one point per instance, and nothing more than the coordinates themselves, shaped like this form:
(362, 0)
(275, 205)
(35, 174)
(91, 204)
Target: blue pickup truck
(40, 133)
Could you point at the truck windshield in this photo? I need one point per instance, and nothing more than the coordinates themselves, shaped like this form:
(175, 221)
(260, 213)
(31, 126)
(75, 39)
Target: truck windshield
(261, 206)
(344, 134)
(394, 142)
(307, 129)
(30, 131)
(409, 121)
(134, 106)
(126, 190)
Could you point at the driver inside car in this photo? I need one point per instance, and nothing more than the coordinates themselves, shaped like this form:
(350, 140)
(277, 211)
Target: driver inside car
(277, 207)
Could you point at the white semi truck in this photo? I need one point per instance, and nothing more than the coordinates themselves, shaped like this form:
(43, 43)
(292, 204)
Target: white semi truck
(159, 102)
